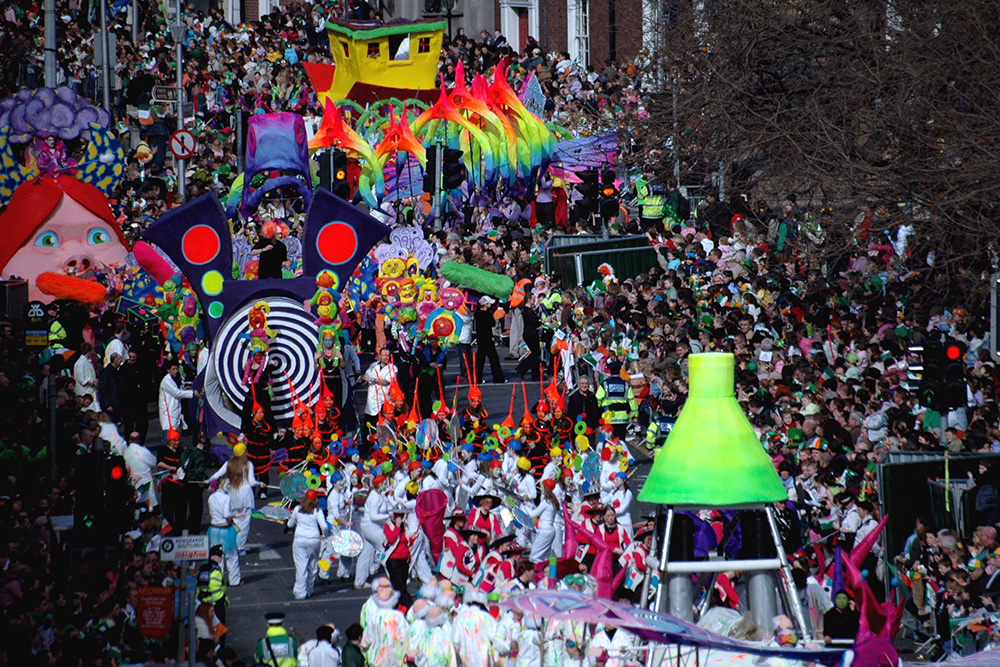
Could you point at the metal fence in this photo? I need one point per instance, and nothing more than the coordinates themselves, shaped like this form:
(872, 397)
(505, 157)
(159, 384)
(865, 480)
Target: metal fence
(580, 268)
(561, 244)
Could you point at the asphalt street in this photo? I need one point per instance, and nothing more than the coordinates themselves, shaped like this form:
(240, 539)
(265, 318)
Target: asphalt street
(268, 570)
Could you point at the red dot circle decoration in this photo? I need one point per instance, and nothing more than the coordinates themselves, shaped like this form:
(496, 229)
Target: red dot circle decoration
(200, 244)
(337, 242)
(443, 326)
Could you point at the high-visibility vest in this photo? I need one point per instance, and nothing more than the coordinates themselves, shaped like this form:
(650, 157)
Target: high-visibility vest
(517, 296)
(211, 586)
(650, 205)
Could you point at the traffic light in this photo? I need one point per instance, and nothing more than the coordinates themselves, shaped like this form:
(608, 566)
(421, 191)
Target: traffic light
(88, 501)
(119, 498)
(341, 186)
(925, 377)
(953, 389)
(454, 170)
(430, 172)
(589, 191)
(609, 195)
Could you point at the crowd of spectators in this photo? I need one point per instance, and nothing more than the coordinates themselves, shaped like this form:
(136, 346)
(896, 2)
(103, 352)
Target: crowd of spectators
(820, 346)
(255, 67)
(66, 600)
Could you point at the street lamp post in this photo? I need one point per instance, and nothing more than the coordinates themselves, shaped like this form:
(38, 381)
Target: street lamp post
(449, 5)
(50, 43)
(105, 58)
(178, 30)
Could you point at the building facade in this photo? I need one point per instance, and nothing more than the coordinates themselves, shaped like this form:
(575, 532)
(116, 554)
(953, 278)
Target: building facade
(591, 31)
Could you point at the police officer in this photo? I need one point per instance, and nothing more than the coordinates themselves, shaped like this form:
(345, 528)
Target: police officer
(57, 333)
(651, 201)
(277, 648)
(615, 395)
(212, 583)
(660, 424)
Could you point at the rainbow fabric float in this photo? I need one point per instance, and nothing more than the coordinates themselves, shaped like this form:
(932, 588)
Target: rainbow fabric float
(501, 140)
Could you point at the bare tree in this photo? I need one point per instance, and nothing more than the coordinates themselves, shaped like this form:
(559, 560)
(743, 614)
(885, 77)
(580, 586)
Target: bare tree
(848, 104)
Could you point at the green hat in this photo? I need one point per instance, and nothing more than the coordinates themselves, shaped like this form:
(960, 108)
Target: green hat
(795, 435)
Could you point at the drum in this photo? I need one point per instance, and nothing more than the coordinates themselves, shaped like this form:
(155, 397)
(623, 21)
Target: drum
(347, 543)
(294, 485)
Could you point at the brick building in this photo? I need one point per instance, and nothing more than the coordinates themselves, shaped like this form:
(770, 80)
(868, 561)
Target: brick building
(591, 31)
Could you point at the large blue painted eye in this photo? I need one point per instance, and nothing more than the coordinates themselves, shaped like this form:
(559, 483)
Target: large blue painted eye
(97, 235)
(48, 240)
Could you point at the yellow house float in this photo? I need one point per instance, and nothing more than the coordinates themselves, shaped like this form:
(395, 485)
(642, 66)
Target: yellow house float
(375, 61)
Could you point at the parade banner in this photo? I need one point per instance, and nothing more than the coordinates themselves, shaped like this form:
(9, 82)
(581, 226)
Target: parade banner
(155, 612)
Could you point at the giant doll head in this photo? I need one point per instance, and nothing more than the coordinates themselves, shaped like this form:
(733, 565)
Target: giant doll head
(57, 233)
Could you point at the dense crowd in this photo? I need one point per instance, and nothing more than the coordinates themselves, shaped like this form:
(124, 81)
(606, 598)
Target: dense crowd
(820, 348)
(820, 372)
(256, 67)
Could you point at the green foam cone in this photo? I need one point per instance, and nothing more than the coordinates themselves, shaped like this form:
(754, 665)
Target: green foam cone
(712, 457)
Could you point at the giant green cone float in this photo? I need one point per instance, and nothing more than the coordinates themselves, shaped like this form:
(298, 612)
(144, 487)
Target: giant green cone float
(712, 457)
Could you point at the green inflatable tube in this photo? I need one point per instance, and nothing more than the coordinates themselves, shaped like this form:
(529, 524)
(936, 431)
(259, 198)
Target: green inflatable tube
(494, 284)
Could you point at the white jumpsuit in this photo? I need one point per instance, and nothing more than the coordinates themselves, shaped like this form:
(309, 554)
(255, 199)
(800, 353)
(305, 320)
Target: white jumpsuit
(541, 546)
(371, 528)
(420, 550)
(309, 531)
(242, 501)
(219, 511)
(623, 498)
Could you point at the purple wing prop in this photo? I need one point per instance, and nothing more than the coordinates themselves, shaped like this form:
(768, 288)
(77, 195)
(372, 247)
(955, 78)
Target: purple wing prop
(582, 153)
(404, 181)
(650, 625)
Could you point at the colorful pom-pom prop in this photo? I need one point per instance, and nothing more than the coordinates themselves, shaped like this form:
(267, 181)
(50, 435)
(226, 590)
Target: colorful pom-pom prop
(485, 282)
(152, 262)
(70, 288)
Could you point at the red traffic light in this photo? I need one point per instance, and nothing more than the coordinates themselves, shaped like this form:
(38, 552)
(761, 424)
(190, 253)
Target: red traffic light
(953, 352)
(117, 472)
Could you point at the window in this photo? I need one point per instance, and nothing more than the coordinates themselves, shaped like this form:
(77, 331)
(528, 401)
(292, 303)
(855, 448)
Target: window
(399, 47)
(424, 45)
(347, 51)
(578, 23)
(373, 50)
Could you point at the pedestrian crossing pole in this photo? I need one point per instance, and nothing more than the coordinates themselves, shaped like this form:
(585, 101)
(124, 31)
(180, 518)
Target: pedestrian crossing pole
(438, 180)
